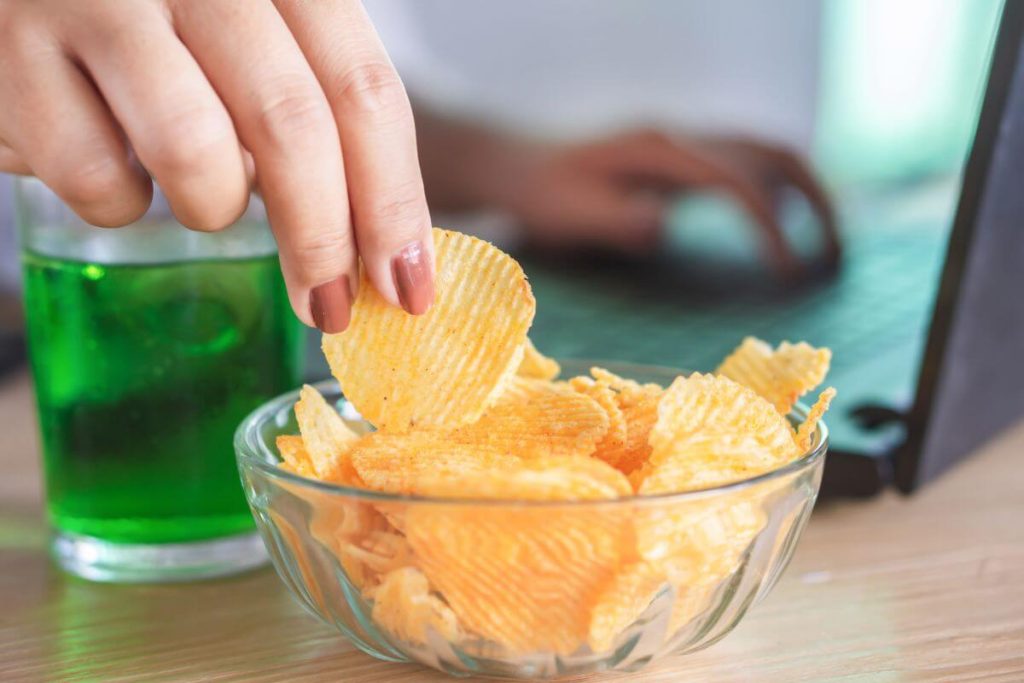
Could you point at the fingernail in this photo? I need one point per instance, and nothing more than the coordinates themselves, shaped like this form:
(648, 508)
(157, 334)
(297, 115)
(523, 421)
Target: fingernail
(331, 305)
(413, 280)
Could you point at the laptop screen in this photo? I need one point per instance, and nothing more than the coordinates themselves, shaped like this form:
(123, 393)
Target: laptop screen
(972, 379)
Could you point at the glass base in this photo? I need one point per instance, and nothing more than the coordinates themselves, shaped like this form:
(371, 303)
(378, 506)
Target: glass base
(98, 560)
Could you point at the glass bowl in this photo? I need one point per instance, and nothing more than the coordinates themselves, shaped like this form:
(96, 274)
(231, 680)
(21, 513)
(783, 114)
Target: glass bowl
(524, 589)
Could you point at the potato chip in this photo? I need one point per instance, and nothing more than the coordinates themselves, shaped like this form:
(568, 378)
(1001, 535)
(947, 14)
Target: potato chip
(630, 389)
(566, 477)
(641, 414)
(536, 365)
(444, 367)
(781, 375)
(622, 601)
(402, 463)
(336, 523)
(628, 595)
(394, 514)
(379, 552)
(612, 446)
(805, 432)
(639, 406)
(710, 536)
(326, 436)
(553, 421)
(404, 606)
(702, 461)
(521, 390)
(712, 405)
(522, 577)
(296, 458)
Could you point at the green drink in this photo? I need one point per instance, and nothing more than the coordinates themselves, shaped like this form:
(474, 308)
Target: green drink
(149, 344)
(142, 374)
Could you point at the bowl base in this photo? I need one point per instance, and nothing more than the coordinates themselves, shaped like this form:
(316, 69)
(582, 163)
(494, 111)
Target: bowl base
(98, 560)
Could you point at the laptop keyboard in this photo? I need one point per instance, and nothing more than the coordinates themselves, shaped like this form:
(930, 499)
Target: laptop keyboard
(880, 298)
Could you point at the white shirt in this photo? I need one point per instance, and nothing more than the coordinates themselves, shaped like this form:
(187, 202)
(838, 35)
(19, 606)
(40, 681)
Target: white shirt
(575, 67)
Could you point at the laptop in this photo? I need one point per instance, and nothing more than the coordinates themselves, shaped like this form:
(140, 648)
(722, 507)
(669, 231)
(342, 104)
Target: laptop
(926, 322)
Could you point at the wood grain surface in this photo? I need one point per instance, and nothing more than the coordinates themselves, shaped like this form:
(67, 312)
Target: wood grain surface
(929, 588)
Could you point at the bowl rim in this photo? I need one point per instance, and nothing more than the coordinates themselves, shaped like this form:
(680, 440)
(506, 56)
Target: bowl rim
(246, 457)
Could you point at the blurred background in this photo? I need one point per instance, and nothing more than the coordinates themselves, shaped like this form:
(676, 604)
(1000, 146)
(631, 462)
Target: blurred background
(881, 95)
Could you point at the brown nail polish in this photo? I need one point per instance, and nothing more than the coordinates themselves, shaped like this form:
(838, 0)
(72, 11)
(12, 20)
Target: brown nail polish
(331, 305)
(414, 280)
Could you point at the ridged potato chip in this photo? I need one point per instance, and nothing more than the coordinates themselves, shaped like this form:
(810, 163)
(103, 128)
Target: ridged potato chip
(326, 436)
(377, 553)
(536, 365)
(406, 463)
(805, 432)
(641, 415)
(521, 577)
(521, 390)
(296, 457)
(552, 421)
(780, 375)
(405, 607)
(639, 406)
(612, 446)
(444, 367)
(702, 461)
(565, 477)
(630, 389)
(628, 595)
(336, 522)
(712, 405)
(708, 535)
(622, 601)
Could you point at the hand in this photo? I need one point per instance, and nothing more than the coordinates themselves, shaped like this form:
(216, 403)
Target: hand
(203, 95)
(615, 191)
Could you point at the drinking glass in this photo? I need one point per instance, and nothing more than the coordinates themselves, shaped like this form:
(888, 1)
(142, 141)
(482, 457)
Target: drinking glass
(148, 345)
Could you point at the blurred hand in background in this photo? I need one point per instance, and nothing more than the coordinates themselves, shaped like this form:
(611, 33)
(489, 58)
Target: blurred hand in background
(614, 191)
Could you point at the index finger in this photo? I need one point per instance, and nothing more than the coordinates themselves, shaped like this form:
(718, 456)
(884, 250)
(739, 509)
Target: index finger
(284, 120)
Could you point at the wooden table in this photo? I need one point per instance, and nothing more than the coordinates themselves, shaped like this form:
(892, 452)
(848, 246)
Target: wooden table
(929, 588)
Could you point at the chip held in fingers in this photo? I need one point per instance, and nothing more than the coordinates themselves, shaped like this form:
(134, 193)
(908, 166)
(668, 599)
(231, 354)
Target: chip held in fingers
(488, 520)
(444, 367)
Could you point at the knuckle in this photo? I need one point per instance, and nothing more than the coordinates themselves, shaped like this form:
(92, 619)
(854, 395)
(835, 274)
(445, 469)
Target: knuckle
(92, 184)
(294, 114)
(187, 142)
(399, 218)
(373, 87)
(322, 256)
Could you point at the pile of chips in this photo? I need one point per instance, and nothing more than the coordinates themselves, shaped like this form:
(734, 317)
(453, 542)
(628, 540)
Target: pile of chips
(464, 406)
